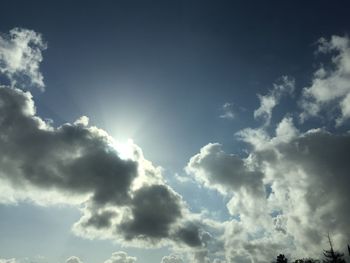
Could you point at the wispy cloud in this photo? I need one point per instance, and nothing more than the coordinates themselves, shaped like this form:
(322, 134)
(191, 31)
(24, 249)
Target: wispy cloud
(228, 111)
(269, 101)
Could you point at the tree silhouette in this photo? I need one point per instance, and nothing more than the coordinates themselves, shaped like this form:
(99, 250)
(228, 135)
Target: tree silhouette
(307, 260)
(281, 259)
(332, 256)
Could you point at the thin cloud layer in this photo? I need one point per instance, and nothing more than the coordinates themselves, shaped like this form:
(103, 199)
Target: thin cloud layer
(20, 56)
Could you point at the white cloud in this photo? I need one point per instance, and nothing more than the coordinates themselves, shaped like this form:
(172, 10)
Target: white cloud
(330, 86)
(121, 257)
(221, 171)
(20, 56)
(172, 259)
(230, 111)
(259, 138)
(73, 259)
(227, 111)
(306, 177)
(268, 102)
(83, 120)
(304, 174)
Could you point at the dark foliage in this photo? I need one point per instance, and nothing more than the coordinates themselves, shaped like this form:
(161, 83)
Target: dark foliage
(307, 260)
(330, 256)
(281, 259)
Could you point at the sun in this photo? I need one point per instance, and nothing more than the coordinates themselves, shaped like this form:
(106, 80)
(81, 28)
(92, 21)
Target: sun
(125, 149)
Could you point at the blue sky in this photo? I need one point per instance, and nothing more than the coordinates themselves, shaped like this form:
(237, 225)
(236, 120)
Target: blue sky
(229, 107)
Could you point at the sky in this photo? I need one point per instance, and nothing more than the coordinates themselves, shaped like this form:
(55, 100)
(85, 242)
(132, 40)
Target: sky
(173, 131)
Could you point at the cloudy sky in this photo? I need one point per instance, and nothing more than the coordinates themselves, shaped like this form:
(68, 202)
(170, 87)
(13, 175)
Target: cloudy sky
(173, 131)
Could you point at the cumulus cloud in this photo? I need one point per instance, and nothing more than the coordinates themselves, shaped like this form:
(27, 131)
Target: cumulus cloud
(73, 259)
(20, 56)
(244, 245)
(330, 87)
(71, 158)
(260, 139)
(223, 172)
(121, 257)
(122, 195)
(153, 211)
(284, 196)
(268, 102)
(307, 199)
(291, 188)
(305, 176)
(172, 259)
(124, 199)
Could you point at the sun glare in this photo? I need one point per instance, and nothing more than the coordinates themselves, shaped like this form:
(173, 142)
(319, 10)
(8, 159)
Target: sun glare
(125, 149)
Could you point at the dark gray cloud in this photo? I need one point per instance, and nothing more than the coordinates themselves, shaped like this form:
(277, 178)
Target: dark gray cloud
(125, 199)
(100, 220)
(72, 158)
(154, 209)
(122, 198)
(190, 235)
